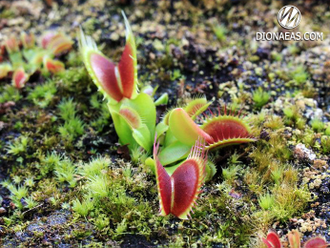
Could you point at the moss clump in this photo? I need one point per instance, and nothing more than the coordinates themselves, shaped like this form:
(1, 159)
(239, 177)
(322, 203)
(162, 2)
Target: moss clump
(19, 146)
(73, 125)
(260, 97)
(266, 201)
(43, 95)
(327, 130)
(274, 122)
(9, 93)
(299, 75)
(317, 125)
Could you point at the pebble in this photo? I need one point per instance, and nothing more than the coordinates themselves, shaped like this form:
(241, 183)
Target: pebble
(2, 210)
(302, 152)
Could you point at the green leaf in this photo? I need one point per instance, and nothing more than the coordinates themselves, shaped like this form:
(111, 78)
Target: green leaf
(131, 116)
(169, 138)
(185, 129)
(151, 164)
(162, 100)
(196, 107)
(144, 105)
(161, 128)
(142, 137)
(122, 128)
(174, 152)
(170, 169)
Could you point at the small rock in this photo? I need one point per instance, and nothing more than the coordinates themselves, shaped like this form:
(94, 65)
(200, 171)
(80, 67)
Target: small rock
(114, 36)
(2, 210)
(4, 107)
(35, 227)
(320, 164)
(302, 152)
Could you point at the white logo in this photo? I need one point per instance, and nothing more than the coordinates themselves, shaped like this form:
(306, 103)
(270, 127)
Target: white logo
(289, 17)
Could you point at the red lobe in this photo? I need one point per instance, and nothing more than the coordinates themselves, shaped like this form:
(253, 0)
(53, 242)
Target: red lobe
(225, 130)
(104, 70)
(164, 188)
(272, 240)
(126, 69)
(185, 179)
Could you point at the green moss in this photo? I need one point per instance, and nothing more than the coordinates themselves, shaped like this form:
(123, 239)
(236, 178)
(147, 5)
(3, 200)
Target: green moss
(276, 56)
(289, 201)
(260, 97)
(73, 126)
(30, 202)
(293, 117)
(289, 112)
(102, 222)
(327, 130)
(266, 201)
(82, 207)
(103, 114)
(9, 93)
(325, 144)
(277, 174)
(95, 167)
(71, 129)
(293, 49)
(114, 198)
(74, 79)
(43, 95)
(230, 173)
(299, 75)
(234, 169)
(274, 122)
(138, 155)
(29, 182)
(48, 163)
(65, 171)
(220, 31)
(67, 109)
(317, 125)
(19, 146)
(7, 14)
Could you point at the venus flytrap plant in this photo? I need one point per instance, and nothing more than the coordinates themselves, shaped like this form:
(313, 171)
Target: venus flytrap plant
(20, 77)
(28, 41)
(217, 130)
(133, 113)
(179, 191)
(273, 241)
(114, 81)
(134, 118)
(12, 47)
(31, 58)
(56, 43)
(5, 68)
(173, 149)
(53, 66)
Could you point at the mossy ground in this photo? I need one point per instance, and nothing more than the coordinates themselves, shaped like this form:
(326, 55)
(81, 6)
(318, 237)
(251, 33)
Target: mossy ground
(67, 183)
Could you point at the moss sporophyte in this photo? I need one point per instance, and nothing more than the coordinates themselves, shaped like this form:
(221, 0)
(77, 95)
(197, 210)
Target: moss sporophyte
(180, 144)
(26, 61)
